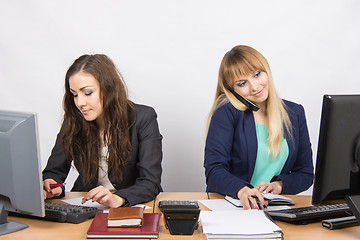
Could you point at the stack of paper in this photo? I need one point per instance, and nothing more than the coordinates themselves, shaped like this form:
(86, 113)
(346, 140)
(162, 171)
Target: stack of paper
(250, 224)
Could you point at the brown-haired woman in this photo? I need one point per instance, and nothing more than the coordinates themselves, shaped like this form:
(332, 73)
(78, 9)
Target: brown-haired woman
(114, 143)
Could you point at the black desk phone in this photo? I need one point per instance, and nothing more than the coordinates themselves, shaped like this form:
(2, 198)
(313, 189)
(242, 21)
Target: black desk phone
(181, 217)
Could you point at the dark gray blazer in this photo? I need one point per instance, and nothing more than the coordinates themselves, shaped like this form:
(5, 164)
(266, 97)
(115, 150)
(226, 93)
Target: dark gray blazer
(142, 174)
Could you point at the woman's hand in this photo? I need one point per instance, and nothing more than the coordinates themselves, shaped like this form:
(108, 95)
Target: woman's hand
(103, 196)
(245, 195)
(51, 192)
(267, 187)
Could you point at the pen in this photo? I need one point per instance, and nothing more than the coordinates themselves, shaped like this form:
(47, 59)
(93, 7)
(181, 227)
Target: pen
(57, 185)
(262, 207)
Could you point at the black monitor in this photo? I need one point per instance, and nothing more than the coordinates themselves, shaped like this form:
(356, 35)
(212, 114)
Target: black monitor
(337, 170)
(21, 188)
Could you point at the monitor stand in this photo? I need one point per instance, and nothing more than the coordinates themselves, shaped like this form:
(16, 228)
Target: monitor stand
(7, 226)
(354, 205)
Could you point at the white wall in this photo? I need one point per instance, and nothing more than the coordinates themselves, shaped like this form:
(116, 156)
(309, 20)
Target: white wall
(169, 53)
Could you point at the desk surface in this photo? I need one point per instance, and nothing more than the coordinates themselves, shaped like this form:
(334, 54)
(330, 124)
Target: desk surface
(40, 229)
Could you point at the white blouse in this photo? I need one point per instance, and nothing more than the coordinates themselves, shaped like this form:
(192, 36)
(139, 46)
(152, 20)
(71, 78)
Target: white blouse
(103, 178)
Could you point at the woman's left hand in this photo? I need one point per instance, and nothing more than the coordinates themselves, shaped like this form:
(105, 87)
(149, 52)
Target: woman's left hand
(103, 196)
(270, 187)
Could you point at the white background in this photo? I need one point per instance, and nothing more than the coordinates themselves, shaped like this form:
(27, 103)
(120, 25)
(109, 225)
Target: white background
(169, 53)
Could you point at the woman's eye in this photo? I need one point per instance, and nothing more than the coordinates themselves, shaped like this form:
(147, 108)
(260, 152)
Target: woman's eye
(257, 73)
(240, 84)
(88, 93)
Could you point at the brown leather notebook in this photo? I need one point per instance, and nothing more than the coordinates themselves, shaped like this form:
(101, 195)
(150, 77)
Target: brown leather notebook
(125, 217)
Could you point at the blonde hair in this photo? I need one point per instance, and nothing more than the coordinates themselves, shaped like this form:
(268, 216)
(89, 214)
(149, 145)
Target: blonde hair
(242, 61)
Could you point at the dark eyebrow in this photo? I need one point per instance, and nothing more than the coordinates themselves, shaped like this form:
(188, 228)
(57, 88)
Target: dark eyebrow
(71, 90)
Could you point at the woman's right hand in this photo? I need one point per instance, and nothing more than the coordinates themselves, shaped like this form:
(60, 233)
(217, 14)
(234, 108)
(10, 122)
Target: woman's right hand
(248, 202)
(51, 192)
(103, 196)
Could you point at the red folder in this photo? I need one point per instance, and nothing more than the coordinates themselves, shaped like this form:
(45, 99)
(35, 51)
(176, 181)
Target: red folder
(99, 229)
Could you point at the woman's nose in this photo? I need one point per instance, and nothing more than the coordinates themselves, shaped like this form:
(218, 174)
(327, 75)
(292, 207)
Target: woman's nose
(80, 101)
(253, 85)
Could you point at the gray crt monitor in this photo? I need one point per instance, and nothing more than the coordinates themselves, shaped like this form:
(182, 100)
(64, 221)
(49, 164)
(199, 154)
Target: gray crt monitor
(21, 188)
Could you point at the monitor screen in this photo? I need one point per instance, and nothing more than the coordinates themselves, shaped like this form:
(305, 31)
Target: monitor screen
(336, 173)
(21, 188)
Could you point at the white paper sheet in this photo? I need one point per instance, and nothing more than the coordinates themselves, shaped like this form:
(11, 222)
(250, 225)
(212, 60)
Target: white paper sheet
(224, 205)
(218, 205)
(105, 209)
(237, 222)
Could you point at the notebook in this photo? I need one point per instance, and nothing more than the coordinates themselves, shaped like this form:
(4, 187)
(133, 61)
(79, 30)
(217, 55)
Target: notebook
(273, 198)
(125, 217)
(149, 229)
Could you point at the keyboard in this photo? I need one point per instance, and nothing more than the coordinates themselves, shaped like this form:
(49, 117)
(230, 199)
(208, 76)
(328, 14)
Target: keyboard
(304, 215)
(68, 213)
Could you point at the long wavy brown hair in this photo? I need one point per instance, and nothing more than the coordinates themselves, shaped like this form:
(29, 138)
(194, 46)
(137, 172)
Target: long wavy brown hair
(81, 139)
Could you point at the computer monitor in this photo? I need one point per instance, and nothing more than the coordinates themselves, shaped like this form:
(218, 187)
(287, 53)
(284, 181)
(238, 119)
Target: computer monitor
(21, 188)
(336, 172)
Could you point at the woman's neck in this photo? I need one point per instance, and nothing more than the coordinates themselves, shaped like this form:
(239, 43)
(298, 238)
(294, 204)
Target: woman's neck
(260, 116)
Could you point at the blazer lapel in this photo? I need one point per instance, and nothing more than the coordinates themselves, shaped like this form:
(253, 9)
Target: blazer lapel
(250, 135)
(290, 142)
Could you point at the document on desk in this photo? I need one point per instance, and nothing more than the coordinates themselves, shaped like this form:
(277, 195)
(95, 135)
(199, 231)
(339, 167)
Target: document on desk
(218, 204)
(77, 201)
(224, 205)
(105, 209)
(249, 224)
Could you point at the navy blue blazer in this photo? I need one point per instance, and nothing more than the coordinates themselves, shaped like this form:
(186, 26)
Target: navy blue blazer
(231, 149)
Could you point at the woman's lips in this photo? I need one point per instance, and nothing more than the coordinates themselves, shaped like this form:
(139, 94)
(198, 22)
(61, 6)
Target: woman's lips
(258, 93)
(85, 112)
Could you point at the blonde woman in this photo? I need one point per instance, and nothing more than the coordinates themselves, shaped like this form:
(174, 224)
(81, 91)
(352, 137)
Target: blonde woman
(252, 149)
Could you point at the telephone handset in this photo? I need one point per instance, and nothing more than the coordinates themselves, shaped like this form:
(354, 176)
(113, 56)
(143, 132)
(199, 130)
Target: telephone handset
(249, 104)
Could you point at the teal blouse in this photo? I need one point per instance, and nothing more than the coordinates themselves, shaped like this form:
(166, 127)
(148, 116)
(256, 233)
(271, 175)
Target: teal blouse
(266, 167)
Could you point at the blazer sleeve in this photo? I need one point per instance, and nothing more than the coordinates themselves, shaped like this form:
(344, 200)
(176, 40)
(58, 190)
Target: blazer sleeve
(57, 166)
(218, 154)
(146, 141)
(298, 175)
